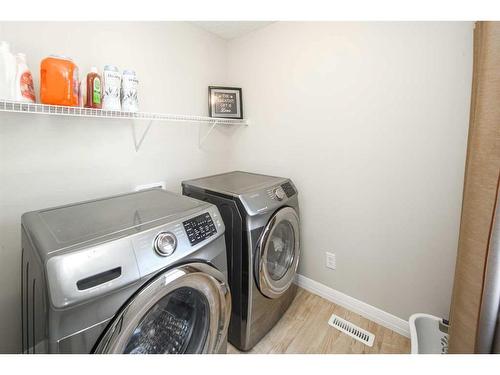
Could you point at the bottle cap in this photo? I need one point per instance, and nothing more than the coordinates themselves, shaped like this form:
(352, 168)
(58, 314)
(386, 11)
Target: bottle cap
(94, 70)
(61, 57)
(113, 68)
(129, 72)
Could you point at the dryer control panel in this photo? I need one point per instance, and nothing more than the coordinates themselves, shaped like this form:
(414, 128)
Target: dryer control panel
(282, 191)
(268, 199)
(288, 189)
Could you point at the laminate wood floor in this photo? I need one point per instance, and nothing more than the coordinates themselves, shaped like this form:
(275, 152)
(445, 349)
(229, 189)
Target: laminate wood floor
(304, 329)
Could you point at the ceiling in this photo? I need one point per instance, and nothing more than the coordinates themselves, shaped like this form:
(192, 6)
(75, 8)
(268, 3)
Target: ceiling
(231, 29)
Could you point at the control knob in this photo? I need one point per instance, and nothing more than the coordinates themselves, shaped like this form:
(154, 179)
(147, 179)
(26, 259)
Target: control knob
(279, 193)
(165, 244)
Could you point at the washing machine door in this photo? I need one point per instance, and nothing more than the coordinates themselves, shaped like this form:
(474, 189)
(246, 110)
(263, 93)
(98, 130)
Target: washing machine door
(278, 253)
(183, 310)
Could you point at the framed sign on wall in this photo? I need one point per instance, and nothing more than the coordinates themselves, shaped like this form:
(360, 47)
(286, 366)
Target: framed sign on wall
(225, 102)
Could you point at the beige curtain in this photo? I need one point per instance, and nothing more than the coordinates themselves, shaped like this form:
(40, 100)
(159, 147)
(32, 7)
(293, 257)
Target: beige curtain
(480, 186)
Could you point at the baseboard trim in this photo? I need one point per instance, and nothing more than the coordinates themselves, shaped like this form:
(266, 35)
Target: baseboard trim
(373, 313)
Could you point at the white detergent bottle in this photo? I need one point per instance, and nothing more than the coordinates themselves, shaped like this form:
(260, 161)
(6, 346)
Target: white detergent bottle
(7, 72)
(24, 90)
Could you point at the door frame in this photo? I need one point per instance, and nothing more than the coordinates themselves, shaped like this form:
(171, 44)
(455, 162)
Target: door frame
(267, 286)
(202, 277)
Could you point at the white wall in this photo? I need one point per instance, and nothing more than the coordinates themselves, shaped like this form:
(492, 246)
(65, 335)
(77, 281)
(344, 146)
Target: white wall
(370, 121)
(51, 161)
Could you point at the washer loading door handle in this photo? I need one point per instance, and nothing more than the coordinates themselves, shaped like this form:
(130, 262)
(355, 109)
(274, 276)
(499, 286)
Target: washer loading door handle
(98, 279)
(66, 271)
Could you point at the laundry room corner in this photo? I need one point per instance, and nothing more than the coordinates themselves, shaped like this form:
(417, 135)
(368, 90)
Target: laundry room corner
(370, 120)
(49, 161)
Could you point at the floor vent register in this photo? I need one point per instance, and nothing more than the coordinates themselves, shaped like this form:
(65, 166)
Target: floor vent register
(352, 330)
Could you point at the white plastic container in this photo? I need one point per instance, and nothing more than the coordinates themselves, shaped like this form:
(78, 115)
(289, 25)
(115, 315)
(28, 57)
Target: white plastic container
(130, 84)
(111, 80)
(7, 72)
(429, 334)
(24, 90)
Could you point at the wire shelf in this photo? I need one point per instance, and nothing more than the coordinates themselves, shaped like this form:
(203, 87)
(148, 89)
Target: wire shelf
(57, 110)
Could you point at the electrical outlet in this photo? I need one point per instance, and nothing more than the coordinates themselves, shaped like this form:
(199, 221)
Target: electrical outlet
(331, 261)
(153, 185)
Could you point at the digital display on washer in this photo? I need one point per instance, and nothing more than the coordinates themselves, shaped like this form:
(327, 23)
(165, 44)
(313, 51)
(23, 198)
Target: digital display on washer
(288, 189)
(199, 228)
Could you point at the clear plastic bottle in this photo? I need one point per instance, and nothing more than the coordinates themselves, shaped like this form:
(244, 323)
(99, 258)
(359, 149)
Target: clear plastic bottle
(7, 72)
(24, 90)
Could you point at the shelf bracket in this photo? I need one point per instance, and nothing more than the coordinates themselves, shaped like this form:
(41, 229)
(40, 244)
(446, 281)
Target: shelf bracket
(138, 141)
(202, 139)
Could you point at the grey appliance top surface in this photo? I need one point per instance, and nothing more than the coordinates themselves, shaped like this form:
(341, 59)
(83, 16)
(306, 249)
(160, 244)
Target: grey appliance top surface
(235, 183)
(107, 218)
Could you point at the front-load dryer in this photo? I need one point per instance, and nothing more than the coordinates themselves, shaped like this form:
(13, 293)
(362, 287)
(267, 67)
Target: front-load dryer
(261, 214)
(136, 273)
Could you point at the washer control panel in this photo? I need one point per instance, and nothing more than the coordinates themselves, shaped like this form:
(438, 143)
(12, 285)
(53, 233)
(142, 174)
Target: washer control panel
(157, 247)
(199, 228)
(165, 243)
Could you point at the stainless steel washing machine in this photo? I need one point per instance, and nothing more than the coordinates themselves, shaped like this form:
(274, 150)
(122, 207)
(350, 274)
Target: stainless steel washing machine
(135, 273)
(261, 214)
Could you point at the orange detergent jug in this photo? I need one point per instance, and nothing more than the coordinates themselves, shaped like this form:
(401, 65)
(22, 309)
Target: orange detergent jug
(59, 81)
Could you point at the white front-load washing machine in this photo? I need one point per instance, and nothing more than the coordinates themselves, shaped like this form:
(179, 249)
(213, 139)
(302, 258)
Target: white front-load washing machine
(261, 214)
(136, 273)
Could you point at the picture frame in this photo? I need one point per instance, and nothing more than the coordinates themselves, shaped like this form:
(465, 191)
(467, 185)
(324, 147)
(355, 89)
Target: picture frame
(225, 102)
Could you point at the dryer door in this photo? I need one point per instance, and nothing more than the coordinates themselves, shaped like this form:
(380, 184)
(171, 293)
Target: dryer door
(278, 253)
(183, 310)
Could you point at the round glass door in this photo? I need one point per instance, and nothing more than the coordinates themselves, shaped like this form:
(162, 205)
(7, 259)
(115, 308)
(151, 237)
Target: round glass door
(281, 250)
(178, 323)
(183, 310)
(278, 253)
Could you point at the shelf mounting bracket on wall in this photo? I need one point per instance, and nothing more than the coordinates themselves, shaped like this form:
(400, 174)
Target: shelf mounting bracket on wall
(202, 139)
(138, 141)
(57, 110)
